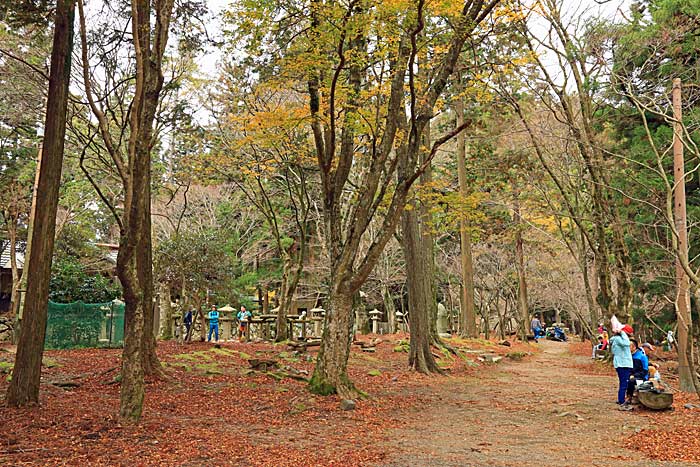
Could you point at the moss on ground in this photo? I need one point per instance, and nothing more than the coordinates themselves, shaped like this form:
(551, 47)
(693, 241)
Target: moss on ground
(50, 363)
(209, 368)
(517, 356)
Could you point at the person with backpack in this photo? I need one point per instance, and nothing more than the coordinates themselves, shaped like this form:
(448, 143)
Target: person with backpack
(213, 323)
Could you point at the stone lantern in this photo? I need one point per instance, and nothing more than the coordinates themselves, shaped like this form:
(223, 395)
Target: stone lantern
(401, 320)
(317, 315)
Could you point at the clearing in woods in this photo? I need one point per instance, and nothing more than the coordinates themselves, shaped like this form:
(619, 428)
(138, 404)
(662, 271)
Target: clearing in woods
(551, 408)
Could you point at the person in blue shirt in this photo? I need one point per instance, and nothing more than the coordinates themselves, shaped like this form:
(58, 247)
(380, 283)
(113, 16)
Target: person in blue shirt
(622, 361)
(536, 326)
(213, 323)
(640, 367)
(244, 317)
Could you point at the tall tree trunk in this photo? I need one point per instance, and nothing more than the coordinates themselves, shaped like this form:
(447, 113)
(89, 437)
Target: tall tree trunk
(26, 375)
(137, 291)
(389, 307)
(501, 321)
(266, 301)
(197, 317)
(203, 328)
(331, 373)
(487, 327)
(685, 323)
(520, 266)
(467, 317)
(16, 279)
(417, 243)
(132, 384)
(428, 242)
(144, 263)
(134, 262)
(283, 310)
(292, 270)
(19, 307)
(593, 316)
(420, 297)
(166, 312)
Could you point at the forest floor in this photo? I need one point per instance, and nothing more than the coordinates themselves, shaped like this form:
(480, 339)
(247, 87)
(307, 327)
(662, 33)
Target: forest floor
(546, 404)
(556, 408)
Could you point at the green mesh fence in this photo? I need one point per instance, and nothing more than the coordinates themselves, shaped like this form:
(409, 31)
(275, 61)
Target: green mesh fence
(79, 324)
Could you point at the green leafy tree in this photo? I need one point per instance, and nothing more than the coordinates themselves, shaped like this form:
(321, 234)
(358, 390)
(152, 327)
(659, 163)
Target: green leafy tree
(71, 282)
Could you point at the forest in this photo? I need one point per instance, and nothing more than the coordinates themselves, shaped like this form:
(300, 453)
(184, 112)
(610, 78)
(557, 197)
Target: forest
(395, 189)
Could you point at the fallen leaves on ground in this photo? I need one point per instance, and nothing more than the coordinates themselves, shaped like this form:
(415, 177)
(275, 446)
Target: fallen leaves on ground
(669, 435)
(212, 409)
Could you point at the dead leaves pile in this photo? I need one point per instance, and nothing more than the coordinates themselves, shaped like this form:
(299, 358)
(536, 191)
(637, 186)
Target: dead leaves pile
(211, 409)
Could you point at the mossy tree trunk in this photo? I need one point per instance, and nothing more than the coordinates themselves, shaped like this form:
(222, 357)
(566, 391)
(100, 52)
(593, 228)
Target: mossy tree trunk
(166, 313)
(134, 262)
(331, 373)
(420, 294)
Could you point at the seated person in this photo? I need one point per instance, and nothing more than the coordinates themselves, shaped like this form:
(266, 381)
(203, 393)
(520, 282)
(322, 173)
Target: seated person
(601, 345)
(654, 374)
(640, 368)
(559, 334)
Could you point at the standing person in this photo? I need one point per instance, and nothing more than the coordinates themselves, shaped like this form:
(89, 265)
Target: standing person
(622, 361)
(188, 323)
(536, 326)
(243, 317)
(669, 340)
(213, 323)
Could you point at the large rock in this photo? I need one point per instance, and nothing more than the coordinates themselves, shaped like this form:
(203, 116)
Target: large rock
(490, 358)
(347, 404)
(5, 329)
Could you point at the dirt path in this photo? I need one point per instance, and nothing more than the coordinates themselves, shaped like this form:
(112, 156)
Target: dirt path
(539, 412)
